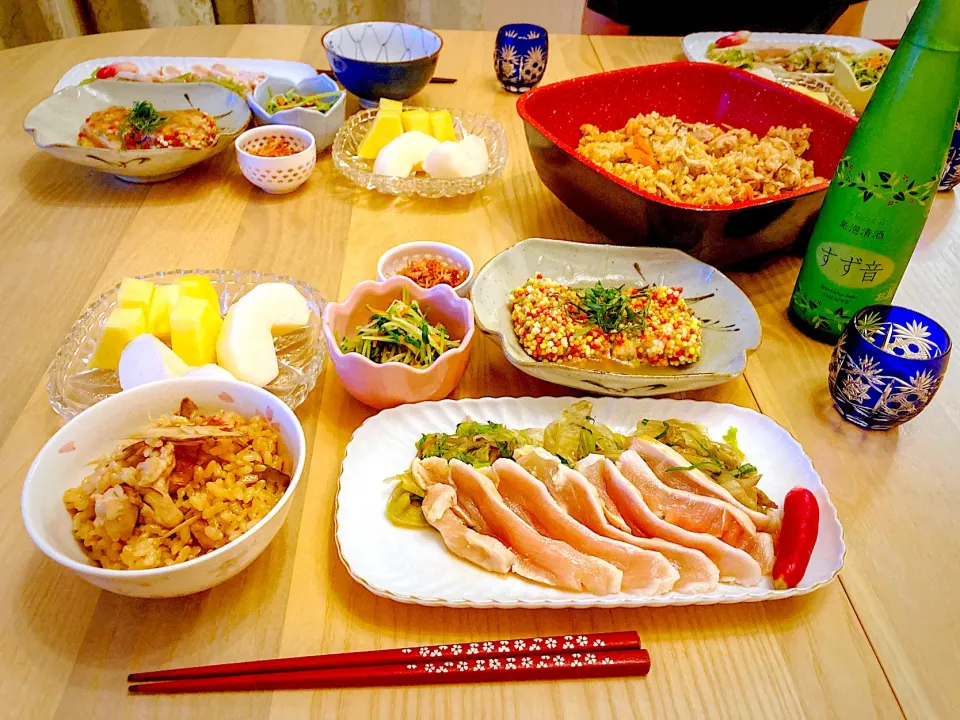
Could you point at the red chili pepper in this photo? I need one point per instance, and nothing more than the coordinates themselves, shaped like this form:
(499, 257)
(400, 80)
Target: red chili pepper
(798, 535)
(106, 72)
(733, 39)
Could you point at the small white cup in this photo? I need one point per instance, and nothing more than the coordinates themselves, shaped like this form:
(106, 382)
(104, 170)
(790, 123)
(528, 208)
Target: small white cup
(277, 175)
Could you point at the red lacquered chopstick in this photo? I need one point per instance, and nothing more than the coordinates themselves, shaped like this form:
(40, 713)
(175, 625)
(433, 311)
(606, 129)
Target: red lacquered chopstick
(455, 651)
(566, 666)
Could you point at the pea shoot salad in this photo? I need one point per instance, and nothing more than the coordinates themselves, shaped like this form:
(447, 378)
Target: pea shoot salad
(402, 334)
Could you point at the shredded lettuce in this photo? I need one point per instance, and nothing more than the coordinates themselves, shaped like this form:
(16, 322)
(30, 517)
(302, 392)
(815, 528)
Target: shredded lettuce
(403, 507)
(722, 462)
(477, 444)
(575, 434)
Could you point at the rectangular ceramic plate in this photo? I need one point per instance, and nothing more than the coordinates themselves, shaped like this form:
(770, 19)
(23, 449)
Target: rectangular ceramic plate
(413, 566)
(731, 328)
(695, 45)
(293, 71)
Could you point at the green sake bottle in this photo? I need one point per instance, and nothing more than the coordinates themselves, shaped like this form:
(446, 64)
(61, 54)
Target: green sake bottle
(884, 187)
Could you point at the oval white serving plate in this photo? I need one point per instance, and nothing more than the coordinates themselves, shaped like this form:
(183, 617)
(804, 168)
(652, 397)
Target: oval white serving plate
(695, 46)
(413, 566)
(731, 328)
(293, 71)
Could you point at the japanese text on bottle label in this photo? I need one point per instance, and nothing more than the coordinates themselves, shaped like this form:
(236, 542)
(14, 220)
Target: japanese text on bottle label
(853, 267)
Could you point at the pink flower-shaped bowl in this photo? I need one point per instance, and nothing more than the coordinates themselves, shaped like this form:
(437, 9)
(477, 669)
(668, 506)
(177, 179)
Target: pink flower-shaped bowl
(392, 384)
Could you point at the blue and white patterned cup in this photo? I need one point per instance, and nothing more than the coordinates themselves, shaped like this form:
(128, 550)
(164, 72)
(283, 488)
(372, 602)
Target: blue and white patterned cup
(951, 171)
(520, 57)
(887, 366)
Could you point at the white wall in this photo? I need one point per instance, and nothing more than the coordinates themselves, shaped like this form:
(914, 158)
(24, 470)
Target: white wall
(886, 18)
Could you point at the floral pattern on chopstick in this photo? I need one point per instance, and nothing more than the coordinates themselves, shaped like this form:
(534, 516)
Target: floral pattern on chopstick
(511, 663)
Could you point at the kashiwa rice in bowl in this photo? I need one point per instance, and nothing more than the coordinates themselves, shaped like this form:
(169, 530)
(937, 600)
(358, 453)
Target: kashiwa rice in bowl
(186, 485)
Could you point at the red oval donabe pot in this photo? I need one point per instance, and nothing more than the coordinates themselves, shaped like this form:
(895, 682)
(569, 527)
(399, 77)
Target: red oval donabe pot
(694, 92)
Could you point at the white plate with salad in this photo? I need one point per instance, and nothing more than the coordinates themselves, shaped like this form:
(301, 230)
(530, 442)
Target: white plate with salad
(412, 564)
(241, 75)
(786, 52)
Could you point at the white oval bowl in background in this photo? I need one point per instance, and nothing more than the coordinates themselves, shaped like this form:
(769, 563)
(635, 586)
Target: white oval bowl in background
(66, 460)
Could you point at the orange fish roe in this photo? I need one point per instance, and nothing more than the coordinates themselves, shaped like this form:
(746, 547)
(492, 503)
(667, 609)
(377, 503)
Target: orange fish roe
(552, 327)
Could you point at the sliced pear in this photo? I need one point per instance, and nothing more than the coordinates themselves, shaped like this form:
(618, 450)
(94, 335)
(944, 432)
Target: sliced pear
(404, 154)
(146, 359)
(245, 346)
(466, 158)
(210, 371)
(282, 305)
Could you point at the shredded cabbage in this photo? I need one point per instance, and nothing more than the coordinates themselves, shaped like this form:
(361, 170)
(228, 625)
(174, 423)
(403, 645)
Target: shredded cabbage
(575, 434)
(722, 462)
(477, 444)
(403, 507)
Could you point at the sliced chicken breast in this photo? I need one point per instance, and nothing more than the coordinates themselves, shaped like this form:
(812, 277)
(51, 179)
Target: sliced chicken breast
(429, 471)
(698, 513)
(734, 564)
(483, 550)
(660, 457)
(555, 562)
(644, 573)
(581, 500)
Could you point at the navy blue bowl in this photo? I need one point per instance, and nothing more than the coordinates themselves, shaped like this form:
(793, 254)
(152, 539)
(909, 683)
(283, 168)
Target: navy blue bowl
(376, 60)
(887, 366)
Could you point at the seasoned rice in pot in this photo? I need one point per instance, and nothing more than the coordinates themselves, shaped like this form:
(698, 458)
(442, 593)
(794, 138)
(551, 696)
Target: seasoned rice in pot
(701, 164)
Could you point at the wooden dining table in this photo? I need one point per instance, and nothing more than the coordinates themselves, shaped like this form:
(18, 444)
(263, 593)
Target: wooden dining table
(883, 640)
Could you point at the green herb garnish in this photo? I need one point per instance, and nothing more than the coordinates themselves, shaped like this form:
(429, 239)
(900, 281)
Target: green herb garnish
(607, 308)
(143, 118)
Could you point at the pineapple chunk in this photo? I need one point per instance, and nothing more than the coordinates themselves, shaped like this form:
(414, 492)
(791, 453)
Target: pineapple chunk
(123, 325)
(194, 327)
(390, 105)
(135, 293)
(441, 123)
(158, 316)
(200, 287)
(386, 126)
(416, 119)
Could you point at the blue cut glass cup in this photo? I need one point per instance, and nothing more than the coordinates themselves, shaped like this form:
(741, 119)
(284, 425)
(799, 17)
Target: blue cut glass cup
(951, 169)
(520, 57)
(887, 366)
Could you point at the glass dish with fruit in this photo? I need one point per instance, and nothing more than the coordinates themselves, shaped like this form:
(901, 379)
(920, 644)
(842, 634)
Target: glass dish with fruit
(420, 151)
(258, 327)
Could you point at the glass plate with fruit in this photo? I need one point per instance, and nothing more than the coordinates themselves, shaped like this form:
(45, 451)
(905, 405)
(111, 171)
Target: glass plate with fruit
(182, 322)
(420, 151)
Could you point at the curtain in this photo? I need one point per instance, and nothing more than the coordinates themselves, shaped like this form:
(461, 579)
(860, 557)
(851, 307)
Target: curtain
(29, 21)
